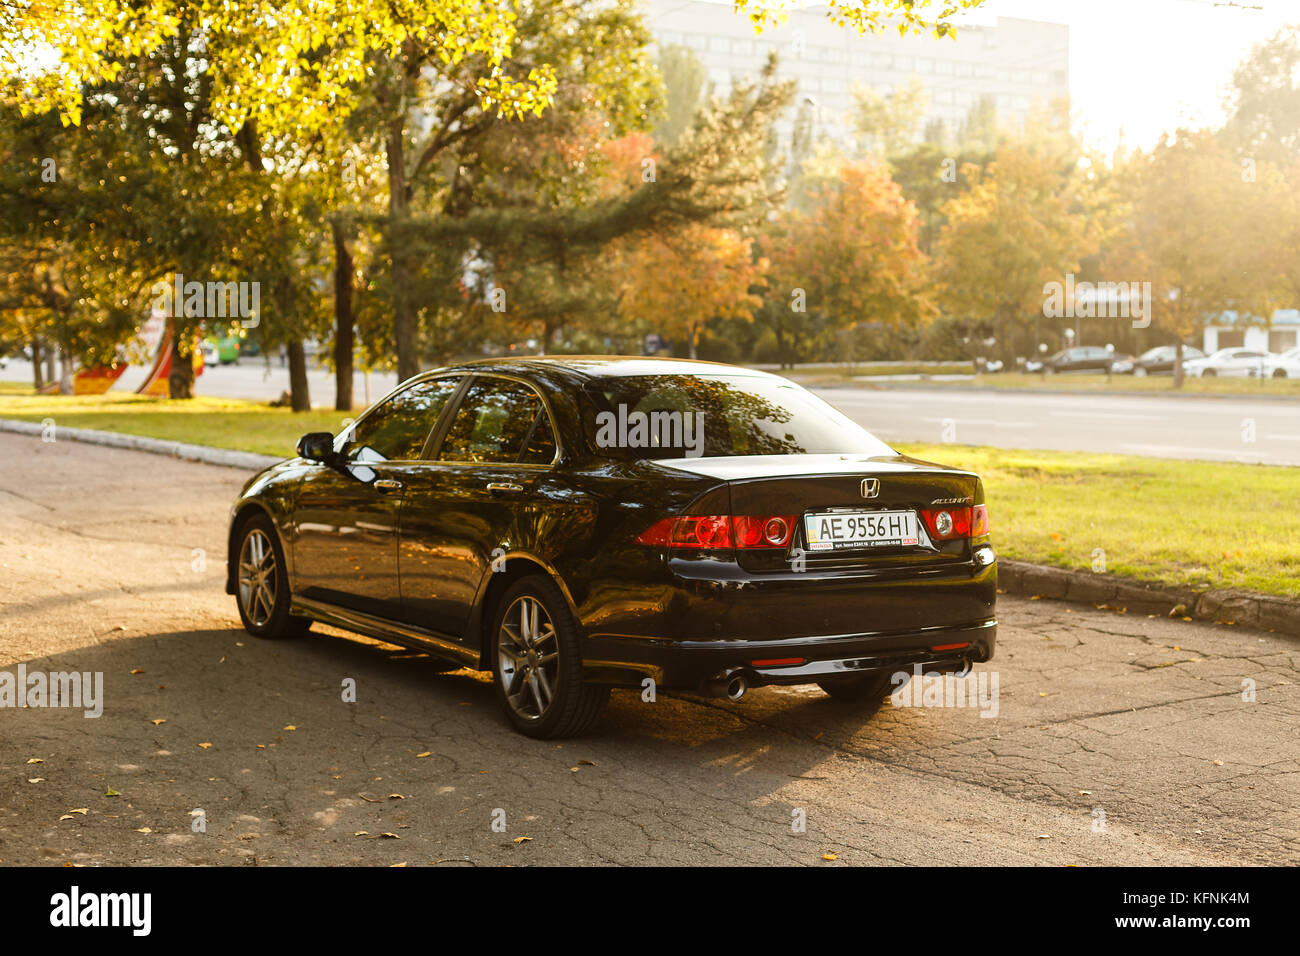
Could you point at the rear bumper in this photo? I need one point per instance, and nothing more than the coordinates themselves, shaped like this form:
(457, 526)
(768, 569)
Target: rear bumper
(689, 665)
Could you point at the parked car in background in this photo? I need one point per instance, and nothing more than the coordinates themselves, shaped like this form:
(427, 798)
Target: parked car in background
(1232, 363)
(1081, 358)
(1160, 360)
(1283, 365)
(1121, 363)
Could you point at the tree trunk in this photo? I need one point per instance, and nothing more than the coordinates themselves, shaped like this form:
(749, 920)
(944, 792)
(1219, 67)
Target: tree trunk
(51, 357)
(37, 378)
(405, 319)
(66, 386)
(180, 383)
(343, 337)
(298, 392)
(1178, 363)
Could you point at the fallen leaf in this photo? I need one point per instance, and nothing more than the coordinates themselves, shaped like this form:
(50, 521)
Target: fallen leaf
(1044, 836)
(67, 816)
(390, 836)
(425, 754)
(396, 796)
(110, 792)
(523, 839)
(830, 856)
(587, 763)
(158, 720)
(362, 833)
(138, 670)
(35, 779)
(399, 864)
(35, 760)
(206, 746)
(82, 810)
(144, 830)
(1218, 763)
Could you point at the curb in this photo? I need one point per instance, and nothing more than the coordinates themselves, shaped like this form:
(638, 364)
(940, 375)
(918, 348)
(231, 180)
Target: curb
(1245, 608)
(244, 460)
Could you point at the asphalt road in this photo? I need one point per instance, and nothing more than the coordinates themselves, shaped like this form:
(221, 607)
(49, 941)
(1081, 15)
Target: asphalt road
(1133, 722)
(1185, 427)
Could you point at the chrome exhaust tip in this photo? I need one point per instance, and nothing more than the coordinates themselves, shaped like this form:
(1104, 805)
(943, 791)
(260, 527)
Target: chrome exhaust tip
(730, 684)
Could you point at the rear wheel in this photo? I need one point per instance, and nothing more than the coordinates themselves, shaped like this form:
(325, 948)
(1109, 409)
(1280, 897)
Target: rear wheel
(1140, 372)
(869, 690)
(1279, 373)
(1209, 373)
(262, 583)
(538, 666)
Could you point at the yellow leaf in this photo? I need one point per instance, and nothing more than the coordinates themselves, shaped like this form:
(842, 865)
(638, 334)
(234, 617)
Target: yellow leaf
(523, 839)
(158, 720)
(830, 856)
(425, 754)
(144, 830)
(291, 727)
(206, 746)
(35, 760)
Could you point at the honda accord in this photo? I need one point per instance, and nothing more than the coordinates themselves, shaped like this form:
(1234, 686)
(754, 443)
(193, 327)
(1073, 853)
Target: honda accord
(574, 524)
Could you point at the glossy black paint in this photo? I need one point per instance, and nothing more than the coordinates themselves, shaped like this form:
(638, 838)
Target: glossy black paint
(417, 551)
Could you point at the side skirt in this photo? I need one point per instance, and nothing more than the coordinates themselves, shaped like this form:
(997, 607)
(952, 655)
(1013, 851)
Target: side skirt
(403, 635)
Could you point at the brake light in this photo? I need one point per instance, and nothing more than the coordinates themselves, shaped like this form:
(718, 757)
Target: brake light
(948, 524)
(720, 532)
(979, 521)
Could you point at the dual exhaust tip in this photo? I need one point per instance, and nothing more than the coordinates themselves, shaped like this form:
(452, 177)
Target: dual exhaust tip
(730, 684)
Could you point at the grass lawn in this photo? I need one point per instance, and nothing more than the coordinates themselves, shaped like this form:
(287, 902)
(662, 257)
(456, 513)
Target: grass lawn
(1173, 522)
(219, 422)
(1194, 524)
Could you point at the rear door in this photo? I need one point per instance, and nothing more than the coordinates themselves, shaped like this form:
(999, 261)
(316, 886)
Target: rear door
(485, 493)
(345, 518)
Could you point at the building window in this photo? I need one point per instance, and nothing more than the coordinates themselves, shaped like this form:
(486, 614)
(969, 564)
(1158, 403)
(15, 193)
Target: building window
(965, 69)
(943, 68)
(742, 47)
(924, 64)
(882, 61)
(719, 45)
(903, 63)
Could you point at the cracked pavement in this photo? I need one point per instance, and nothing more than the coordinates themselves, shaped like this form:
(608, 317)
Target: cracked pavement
(1135, 722)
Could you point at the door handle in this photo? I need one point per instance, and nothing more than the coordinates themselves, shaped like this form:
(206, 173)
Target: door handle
(387, 485)
(504, 486)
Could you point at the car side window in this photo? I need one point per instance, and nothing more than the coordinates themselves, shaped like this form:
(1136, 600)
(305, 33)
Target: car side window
(500, 421)
(397, 429)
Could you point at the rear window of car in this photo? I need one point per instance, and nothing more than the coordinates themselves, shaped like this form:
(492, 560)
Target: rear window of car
(689, 416)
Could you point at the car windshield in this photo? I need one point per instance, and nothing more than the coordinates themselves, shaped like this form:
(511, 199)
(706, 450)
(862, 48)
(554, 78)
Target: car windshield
(1159, 352)
(703, 415)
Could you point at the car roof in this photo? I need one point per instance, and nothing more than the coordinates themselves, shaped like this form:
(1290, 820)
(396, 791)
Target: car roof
(600, 366)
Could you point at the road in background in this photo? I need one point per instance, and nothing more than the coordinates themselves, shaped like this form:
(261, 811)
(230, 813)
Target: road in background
(1187, 427)
(1118, 739)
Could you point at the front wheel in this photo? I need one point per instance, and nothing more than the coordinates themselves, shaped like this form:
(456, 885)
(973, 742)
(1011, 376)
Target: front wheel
(539, 663)
(262, 580)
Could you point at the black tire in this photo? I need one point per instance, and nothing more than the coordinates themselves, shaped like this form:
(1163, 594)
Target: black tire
(868, 690)
(1279, 373)
(573, 706)
(252, 600)
(1209, 373)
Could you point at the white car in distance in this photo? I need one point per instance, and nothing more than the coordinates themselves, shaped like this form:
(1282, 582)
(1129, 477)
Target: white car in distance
(1283, 365)
(1233, 363)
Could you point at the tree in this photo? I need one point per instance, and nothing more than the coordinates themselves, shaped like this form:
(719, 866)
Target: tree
(887, 124)
(853, 258)
(1003, 239)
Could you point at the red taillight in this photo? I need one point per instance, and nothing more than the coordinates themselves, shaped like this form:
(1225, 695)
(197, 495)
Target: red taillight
(948, 524)
(720, 532)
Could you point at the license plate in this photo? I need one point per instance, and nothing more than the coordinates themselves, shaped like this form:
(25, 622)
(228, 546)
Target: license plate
(835, 530)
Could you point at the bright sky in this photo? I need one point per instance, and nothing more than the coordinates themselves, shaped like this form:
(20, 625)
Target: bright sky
(1145, 66)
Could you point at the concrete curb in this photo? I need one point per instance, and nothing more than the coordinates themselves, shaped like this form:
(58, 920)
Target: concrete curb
(244, 460)
(1245, 608)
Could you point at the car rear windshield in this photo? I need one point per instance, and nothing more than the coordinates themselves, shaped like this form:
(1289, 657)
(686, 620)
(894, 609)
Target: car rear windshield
(692, 416)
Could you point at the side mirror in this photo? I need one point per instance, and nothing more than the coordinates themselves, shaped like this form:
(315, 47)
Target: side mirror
(316, 446)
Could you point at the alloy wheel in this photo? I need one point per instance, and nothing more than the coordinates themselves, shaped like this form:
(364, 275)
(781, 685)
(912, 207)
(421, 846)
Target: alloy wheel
(528, 658)
(257, 580)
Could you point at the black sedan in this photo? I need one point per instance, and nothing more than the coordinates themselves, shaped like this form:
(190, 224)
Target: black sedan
(1161, 359)
(574, 524)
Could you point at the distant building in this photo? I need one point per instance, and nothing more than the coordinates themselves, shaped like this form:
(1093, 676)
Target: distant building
(1016, 62)
(1229, 331)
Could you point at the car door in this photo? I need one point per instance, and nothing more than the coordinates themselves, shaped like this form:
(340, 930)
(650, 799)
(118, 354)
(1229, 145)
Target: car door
(481, 497)
(346, 517)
